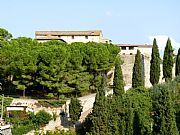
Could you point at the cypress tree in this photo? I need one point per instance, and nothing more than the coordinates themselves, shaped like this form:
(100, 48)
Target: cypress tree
(113, 117)
(75, 110)
(155, 64)
(163, 110)
(137, 77)
(177, 72)
(118, 83)
(129, 118)
(99, 114)
(168, 61)
(136, 124)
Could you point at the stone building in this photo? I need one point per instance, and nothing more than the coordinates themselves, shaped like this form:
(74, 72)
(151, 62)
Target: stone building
(131, 49)
(72, 36)
(128, 52)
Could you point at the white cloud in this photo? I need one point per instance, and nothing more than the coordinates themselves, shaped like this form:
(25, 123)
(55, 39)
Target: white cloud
(161, 42)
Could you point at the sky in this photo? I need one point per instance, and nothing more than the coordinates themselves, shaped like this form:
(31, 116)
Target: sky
(122, 21)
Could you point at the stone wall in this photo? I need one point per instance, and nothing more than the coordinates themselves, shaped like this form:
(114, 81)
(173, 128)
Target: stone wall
(127, 70)
(6, 131)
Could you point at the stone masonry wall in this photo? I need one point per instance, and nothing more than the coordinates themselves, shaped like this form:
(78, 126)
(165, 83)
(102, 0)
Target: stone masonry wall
(127, 70)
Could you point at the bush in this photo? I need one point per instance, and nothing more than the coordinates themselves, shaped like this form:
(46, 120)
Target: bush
(23, 129)
(50, 95)
(7, 102)
(41, 118)
(51, 103)
(58, 132)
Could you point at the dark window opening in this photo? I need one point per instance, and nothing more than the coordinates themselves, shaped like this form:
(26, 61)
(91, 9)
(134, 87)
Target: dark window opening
(131, 48)
(86, 37)
(131, 54)
(123, 48)
(72, 37)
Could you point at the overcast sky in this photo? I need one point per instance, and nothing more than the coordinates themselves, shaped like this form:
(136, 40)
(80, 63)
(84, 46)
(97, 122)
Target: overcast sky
(122, 21)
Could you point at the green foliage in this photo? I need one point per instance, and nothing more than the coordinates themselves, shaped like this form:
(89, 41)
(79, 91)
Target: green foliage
(75, 110)
(175, 88)
(177, 70)
(127, 115)
(54, 67)
(155, 64)
(168, 61)
(51, 103)
(41, 118)
(4, 34)
(57, 132)
(23, 129)
(163, 111)
(118, 82)
(140, 101)
(20, 121)
(99, 118)
(116, 115)
(23, 122)
(129, 118)
(7, 102)
(137, 77)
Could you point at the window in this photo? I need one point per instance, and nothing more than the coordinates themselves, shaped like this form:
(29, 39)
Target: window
(131, 54)
(86, 37)
(72, 37)
(123, 48)
(56, 36)
(131, 48)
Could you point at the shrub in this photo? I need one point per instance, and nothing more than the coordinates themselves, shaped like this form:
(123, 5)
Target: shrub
(23, 129)
(51, 103)
(41, 118)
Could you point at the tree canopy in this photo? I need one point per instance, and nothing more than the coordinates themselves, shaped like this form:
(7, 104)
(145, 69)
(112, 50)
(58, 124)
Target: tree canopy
(168, 61)
(54, 67)
(177, 70)
(75, 110)
(137, 76)
(118, 83)
(155, 64)
(4, 34)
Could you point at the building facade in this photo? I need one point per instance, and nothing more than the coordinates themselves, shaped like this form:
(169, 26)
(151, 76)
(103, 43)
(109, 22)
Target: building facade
(71, 36)
(131, 49)
(128, 52)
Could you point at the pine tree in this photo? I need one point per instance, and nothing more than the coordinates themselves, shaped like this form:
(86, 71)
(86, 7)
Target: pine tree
(155, 64)
(177, 72)
(163, 110)
(137, 77)
(168, 61)
(75, 110)
(118, 89)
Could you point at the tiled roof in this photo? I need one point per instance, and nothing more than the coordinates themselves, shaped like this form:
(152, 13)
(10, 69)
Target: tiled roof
(70, 33)
(135, 45)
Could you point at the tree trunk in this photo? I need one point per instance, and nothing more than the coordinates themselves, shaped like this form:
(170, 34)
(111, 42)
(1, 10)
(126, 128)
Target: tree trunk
(24, 92)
